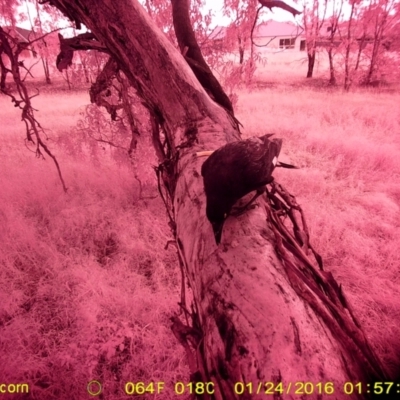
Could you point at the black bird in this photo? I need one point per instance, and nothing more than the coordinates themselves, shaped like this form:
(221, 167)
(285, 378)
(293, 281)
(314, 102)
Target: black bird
(235, 170)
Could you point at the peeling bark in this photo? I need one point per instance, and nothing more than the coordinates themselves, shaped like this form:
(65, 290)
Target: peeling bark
(102, 83)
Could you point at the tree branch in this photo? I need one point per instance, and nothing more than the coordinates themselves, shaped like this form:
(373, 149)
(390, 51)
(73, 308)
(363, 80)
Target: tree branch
(279, 4)
(192, 53)
(84, 41)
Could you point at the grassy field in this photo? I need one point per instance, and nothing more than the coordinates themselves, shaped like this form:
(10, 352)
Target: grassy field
(82, 293)
(86, 287)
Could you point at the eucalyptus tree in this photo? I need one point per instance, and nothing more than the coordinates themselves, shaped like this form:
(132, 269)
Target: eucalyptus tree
(265, 315)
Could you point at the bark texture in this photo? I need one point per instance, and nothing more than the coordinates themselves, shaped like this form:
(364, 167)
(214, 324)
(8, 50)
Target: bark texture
(254, 321)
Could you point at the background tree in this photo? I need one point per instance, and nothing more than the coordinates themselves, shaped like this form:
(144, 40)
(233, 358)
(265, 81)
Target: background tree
(314, 15)
(242, 14)
(42, 46)
(349, 40)
(9, 11)
(334, 19)
(367, 28)
(378, 18)
(7, 18)
(47, 20)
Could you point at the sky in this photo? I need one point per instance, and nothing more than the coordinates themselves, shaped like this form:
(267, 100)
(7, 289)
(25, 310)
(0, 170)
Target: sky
(215, 5)
(276, 14)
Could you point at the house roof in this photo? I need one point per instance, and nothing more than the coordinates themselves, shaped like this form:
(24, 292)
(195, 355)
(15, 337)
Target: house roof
(219, 32)
(265, 29)
(23, 35)
(275, 28)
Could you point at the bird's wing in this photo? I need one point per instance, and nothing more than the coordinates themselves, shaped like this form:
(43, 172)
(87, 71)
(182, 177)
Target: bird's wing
(262, 158)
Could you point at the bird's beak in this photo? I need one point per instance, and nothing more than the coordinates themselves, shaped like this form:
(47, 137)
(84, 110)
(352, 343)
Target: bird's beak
(217, 228)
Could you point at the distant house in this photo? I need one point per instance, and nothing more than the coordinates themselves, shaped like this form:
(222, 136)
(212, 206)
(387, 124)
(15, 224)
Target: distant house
(218, 37)
(29, 56)
(271, 34)
(23, 36)
(364, 38)
(280, 35)
(287, 36)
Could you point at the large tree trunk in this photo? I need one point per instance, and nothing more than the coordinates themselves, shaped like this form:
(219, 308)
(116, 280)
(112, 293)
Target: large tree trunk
(259, 322)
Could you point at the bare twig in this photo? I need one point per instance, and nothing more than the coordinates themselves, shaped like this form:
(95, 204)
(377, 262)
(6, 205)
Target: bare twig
(33, 127)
